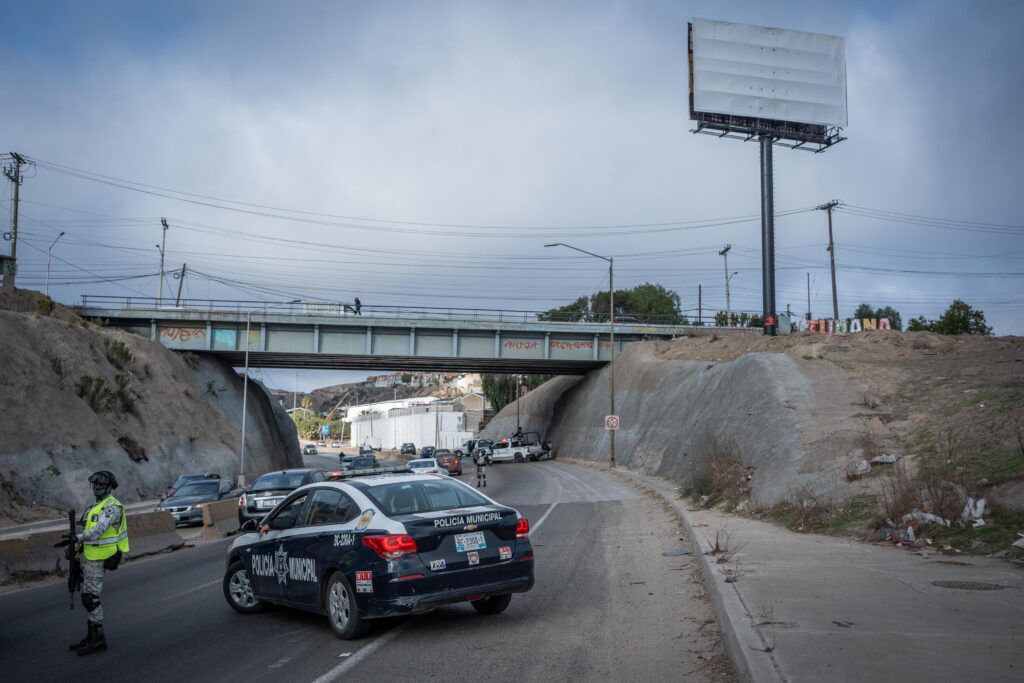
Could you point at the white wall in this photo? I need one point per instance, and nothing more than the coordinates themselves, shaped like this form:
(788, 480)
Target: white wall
(448, 431)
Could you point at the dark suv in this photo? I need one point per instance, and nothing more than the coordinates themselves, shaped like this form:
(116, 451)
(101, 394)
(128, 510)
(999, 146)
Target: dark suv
(408, 449)
(271, 488)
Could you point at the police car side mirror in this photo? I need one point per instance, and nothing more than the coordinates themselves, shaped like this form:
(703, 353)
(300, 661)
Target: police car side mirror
(249, 526)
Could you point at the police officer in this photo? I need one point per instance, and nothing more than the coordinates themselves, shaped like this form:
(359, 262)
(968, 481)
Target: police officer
(481, 459)
(104, 541)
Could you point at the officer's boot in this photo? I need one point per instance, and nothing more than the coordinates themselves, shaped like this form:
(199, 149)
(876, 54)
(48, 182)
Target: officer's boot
(97, 644)
(84, 641)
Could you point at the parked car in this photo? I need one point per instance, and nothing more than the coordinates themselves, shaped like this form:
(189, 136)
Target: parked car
(271, 488)
(184, 504)
(426, 451)
(184, 479)
(335, 444)
(309, 449)
(366, 450)
(450, 461)
(408, 449)
(345, 461)
(426, 466)
(321, 444)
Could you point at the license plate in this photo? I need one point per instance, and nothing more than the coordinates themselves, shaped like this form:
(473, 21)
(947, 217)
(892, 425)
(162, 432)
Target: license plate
(265, 503)
(473, 541)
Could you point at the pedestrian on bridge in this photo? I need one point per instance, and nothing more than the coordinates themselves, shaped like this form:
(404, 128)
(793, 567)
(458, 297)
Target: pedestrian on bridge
(103, 544)
(359, 306)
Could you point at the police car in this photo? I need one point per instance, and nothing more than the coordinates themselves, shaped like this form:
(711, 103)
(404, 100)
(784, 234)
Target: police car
(381, 546)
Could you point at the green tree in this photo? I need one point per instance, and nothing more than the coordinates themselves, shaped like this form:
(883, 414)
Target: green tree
(500, 390)
(577, 311)
(865, 311)
(960, 318)
(647, 302)
(919, 324)
(895, 320)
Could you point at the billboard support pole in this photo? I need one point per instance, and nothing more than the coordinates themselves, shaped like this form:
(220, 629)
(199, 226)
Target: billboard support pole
(767, 236)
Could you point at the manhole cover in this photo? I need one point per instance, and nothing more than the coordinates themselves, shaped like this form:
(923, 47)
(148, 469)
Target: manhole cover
(969, 585)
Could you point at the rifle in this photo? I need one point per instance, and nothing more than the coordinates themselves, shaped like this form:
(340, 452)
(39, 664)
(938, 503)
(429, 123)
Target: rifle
(74, 565)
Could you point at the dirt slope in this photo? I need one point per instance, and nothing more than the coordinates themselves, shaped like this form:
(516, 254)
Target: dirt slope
(77, 398)
(799, 411)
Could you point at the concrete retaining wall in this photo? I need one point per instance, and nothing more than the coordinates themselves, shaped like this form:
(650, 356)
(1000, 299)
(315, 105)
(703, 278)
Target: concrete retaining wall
(220, 519)
(33, 553)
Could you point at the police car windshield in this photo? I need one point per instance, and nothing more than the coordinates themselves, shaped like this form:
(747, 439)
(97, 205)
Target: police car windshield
(279, 480)
(410, 497)
(199, 488)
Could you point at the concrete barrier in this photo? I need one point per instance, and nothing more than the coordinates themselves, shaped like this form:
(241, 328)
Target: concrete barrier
(33, 554)
(220, 519)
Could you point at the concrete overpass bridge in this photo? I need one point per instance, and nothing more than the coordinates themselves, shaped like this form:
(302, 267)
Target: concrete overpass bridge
(330, 335)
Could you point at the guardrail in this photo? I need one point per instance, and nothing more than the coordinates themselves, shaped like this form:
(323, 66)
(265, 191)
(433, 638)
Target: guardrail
(348, 310)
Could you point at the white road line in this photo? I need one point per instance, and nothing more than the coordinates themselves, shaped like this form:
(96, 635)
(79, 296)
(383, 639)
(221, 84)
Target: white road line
(551, 507)
(354, 660)
(359, 656)
(190, 590)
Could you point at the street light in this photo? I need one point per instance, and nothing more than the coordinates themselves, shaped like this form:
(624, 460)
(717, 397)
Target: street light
(245, 385)
(49, 258)
(611, 321)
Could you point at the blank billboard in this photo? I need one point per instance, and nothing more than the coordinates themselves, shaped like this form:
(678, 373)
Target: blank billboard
(755, 72)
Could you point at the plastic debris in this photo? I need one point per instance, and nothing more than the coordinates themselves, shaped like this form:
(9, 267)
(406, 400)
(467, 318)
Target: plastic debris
(675, 553)
(925, 517)
(844, 624)
(884, 459)
(1019, 543)
(863, 467)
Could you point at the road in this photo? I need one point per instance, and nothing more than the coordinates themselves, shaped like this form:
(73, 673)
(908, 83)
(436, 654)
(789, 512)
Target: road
(607, 605)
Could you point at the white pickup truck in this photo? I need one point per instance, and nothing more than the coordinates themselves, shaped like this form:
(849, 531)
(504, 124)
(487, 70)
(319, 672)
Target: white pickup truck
(518, 448)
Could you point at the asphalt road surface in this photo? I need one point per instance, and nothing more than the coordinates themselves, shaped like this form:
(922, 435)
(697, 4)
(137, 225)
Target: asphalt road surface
(607, 605)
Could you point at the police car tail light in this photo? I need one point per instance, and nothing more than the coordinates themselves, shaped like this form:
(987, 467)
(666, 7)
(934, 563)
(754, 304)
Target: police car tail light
(392, 546)
(522, 527)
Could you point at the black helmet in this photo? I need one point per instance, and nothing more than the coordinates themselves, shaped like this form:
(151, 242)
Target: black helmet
(103, 482)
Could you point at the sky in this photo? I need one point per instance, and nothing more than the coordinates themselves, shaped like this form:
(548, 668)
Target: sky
(421, 154)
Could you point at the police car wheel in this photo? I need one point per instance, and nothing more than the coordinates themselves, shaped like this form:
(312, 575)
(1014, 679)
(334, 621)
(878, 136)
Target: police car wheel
(519, 457)
(342, 612)
(238, 590)
(494, 605)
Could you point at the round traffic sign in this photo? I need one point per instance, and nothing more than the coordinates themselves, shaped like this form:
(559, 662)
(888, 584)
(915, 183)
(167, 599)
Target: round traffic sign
(611, 421)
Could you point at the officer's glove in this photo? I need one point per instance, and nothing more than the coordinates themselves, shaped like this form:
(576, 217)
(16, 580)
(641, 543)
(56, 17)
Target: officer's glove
(65, 541)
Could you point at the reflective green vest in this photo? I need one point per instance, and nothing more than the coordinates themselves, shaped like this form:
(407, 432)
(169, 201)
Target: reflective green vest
(112, 540)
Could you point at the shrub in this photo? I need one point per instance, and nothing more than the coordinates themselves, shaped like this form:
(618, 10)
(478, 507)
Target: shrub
(118, 352)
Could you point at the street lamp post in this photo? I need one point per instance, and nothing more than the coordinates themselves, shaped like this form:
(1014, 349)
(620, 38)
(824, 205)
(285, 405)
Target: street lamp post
(49, 259)
(611, 322)
(245, 386)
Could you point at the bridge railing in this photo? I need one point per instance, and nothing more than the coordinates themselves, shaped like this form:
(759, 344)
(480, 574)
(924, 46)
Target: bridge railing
(344, 309)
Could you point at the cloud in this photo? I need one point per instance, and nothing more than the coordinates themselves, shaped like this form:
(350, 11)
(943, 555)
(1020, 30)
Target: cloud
(483, 114)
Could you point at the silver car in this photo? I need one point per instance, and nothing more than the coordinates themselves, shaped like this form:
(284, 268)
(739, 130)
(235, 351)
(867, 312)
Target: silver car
(184, 504)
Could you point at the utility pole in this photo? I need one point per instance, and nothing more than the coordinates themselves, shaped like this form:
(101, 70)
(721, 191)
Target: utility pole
(728, 307)
(13, 172)
(699, 305)
(181, 281)
(163, 243)
(832, 255)
(808, 296)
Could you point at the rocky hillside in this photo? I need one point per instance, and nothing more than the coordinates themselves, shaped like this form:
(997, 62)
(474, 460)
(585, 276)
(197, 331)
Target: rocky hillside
(797, 421)
(78, 397)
